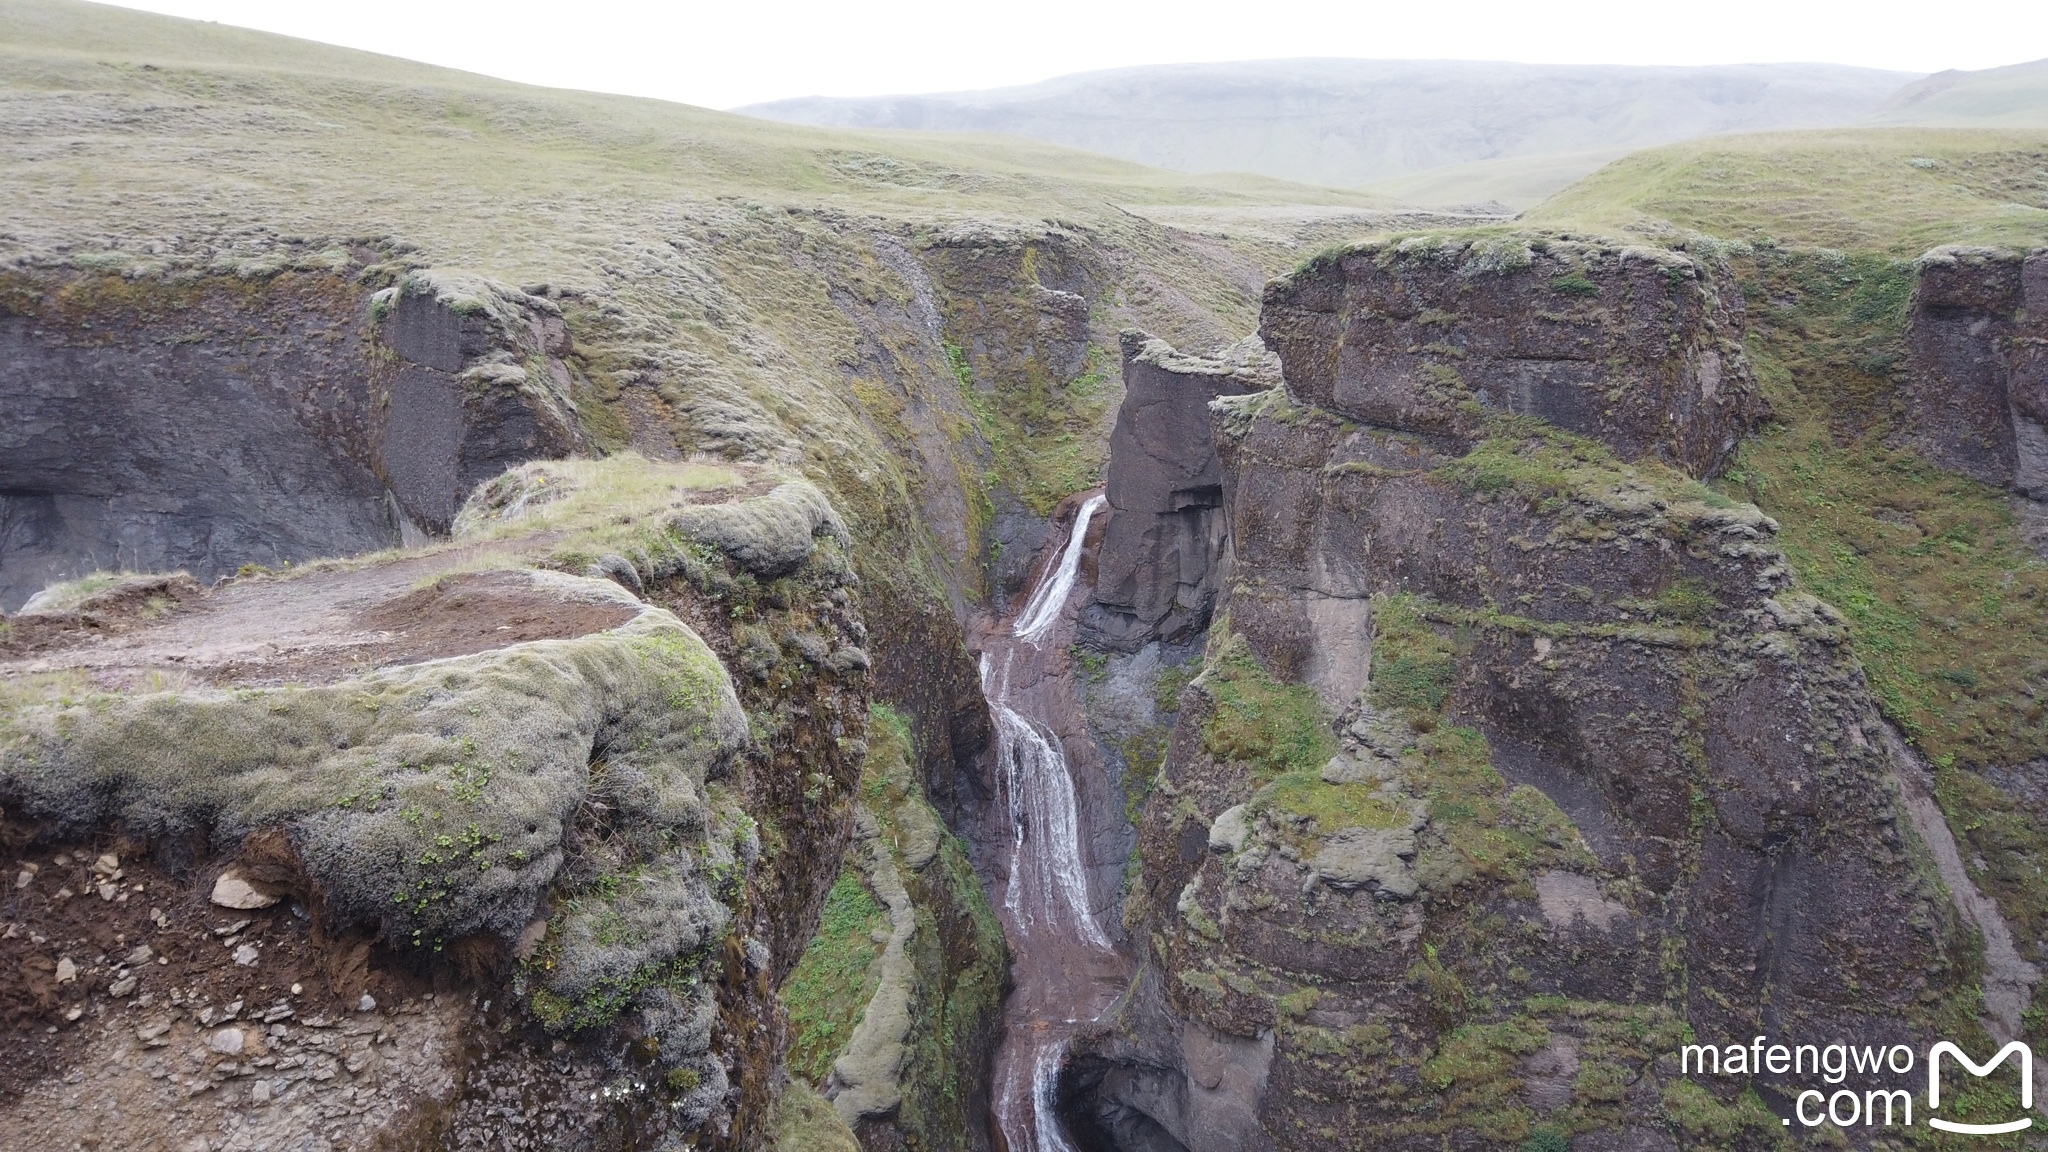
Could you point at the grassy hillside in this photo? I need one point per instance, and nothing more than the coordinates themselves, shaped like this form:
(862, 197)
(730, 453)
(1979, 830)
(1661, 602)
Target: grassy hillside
(2011, 97)
(1899, 191)
(290, 118)
(745, 284)
(1518, 182)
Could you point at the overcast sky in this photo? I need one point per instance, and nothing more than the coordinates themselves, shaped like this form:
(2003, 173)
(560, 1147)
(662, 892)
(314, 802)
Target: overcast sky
(742, 51)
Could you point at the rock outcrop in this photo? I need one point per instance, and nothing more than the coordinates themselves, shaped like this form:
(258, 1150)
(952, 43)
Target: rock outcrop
(1636, 347)
(1517, 752)
(1159, 564)
(203, 423)
(1977, 366)
(521, 823)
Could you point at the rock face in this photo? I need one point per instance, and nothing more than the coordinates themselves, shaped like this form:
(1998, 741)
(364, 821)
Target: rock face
(1158, 567)
(1515, 756)
(206, 424)
(1977, 357)
(481, 383)
(1635, 347)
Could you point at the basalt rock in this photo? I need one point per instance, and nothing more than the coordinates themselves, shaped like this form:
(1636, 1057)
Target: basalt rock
(1636, 347)
(1977, 363)
(1158, 569)
(205, 424)
(1603, 772)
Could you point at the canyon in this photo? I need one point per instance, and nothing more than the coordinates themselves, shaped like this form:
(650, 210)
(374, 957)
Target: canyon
(706, 634)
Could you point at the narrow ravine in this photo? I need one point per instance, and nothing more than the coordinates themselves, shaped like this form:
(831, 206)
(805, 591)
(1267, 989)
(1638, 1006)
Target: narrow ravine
(1066, 969)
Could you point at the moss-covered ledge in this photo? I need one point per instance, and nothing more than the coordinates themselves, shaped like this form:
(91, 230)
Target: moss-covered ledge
(552, 798)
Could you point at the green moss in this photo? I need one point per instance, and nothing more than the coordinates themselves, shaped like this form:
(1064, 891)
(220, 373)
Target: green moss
(1574, 284)
(804, 1121)
(835, 978)
(1331, 806)
(1491, 831)
(1172, 682)
(1412, 666)
(1271, 727)
(1478, 1054)
(1687, 599)
(1946, 605)
(1047, 435)
(959, 961)
(1944, 600)
(1554, 469)
(1746, 1121)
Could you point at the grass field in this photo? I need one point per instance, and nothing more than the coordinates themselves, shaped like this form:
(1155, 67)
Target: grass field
(1899, 191)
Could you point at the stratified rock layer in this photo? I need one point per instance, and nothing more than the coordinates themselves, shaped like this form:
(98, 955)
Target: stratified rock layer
(203, 424)
(1977, 366)
(1602, 772)
(1636, 347)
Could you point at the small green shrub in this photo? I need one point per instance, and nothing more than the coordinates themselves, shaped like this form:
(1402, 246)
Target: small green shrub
(1574, 284)
(1271, 727)
(1412, 666)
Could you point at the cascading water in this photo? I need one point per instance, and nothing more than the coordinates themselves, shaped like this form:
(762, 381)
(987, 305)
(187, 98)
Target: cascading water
(1066, 971)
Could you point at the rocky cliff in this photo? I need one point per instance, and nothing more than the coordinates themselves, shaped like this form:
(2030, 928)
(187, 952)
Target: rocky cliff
(1516, 753)
(1977, 365)
(1156, 571)
(261, 415)
(509, 834)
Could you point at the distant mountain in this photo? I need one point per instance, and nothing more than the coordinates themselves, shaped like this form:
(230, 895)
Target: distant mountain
(1351, 123)
(2015, 96)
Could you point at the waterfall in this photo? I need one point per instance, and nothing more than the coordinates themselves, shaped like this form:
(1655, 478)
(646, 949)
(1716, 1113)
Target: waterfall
(1045, 824)
(1065, 969)
(1042, 610)
(1044, 1072)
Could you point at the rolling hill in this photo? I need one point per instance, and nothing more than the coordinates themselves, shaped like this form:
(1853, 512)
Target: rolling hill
(1352, 123)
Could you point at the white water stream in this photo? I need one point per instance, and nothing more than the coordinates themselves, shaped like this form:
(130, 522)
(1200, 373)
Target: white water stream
(1064, 966)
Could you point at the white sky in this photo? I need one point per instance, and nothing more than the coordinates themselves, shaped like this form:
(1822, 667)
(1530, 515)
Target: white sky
(730, 52)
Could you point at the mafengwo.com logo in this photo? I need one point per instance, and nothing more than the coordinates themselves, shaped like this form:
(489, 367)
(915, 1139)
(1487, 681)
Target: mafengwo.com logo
(1883, 1106)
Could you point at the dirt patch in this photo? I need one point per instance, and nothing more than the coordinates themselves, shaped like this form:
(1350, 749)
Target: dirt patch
(457, 615)
(133, 602)
(476, 612)
(92, 933)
